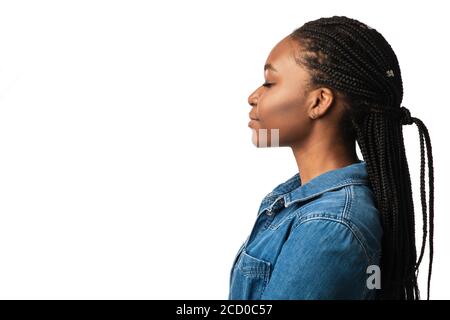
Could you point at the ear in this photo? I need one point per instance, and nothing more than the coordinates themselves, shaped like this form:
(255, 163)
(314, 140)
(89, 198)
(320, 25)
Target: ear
(322, 99)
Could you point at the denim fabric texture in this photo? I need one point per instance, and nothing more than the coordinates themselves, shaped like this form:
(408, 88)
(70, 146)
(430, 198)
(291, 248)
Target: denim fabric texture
(311, 241)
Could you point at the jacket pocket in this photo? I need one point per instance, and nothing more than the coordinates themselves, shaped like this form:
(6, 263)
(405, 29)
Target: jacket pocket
(250, 277)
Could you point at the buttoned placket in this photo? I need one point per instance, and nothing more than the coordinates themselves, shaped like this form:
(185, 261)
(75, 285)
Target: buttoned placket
(280, 200)
(269, 212)
(244, 245)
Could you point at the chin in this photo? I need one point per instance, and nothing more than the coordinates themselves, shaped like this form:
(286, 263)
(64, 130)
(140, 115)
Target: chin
(265, 138)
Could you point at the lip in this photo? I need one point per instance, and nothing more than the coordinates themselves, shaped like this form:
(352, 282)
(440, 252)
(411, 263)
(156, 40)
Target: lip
(252, 122)
(251, 115)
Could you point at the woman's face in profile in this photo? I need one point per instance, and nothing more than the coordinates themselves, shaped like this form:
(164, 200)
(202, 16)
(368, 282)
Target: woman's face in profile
(279, 107)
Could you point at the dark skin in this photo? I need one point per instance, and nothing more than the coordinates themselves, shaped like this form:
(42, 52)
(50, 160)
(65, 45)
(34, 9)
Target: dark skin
(307, 118)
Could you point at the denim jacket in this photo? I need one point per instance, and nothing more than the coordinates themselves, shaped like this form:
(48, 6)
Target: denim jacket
(311, 241)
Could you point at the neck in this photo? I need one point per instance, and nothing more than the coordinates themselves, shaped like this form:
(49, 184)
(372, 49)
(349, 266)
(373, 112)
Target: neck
(321, 156)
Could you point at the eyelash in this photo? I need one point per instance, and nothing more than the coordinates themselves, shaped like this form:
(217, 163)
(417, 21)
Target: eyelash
(268, 85)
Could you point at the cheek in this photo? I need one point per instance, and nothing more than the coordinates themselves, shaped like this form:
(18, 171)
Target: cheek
(280, 111)
(286, 115)
(279, 106)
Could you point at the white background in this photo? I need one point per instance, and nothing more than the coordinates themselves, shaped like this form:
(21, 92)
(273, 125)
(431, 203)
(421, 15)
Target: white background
(126, 165)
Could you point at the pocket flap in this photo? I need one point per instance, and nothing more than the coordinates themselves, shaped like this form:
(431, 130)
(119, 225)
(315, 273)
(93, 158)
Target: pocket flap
(252, 266)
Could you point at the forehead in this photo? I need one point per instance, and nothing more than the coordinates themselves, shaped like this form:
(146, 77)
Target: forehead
(281, 57)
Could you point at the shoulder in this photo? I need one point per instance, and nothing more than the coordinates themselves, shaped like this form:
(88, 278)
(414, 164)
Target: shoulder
(351, 208)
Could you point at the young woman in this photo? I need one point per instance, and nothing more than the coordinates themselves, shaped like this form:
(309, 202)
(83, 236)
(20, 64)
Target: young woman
(342, 227)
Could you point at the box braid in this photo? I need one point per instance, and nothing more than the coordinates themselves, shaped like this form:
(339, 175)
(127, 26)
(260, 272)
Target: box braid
(355, 61)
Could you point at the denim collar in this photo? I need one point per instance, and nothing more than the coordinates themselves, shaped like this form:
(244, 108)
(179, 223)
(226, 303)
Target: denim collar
(292, 191)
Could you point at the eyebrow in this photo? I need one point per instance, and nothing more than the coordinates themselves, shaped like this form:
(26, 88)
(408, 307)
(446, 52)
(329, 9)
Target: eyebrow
(270, 67)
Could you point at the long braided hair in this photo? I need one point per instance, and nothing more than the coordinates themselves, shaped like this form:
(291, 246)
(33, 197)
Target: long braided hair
(356, 61)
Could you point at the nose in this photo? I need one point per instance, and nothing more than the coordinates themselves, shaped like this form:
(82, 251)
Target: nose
(252, 100)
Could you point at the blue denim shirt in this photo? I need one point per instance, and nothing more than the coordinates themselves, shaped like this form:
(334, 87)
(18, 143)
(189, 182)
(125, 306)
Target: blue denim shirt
(311, 241)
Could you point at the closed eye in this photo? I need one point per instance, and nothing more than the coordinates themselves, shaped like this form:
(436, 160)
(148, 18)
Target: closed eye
(268, 85)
